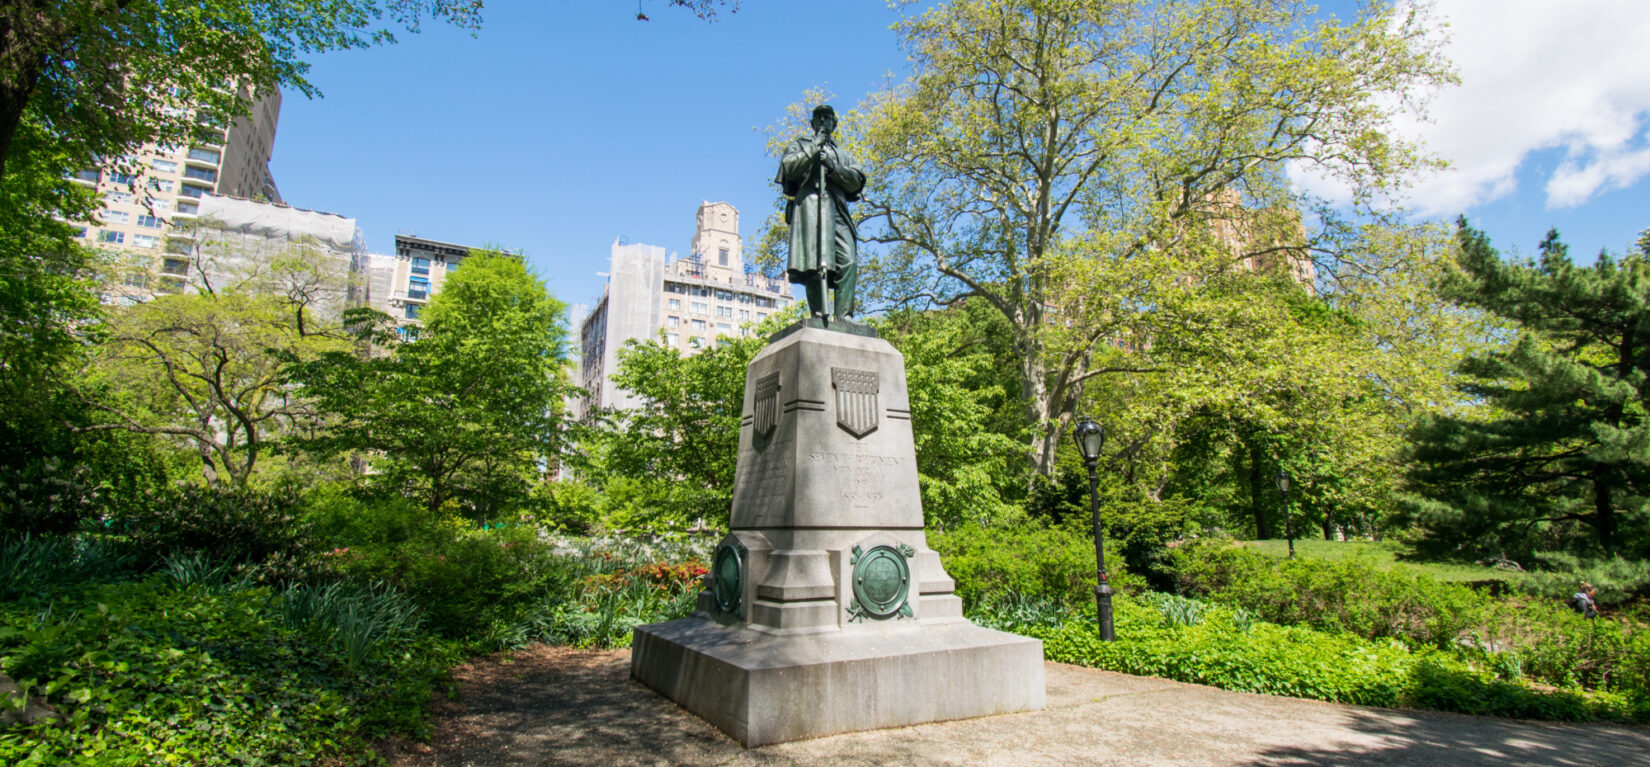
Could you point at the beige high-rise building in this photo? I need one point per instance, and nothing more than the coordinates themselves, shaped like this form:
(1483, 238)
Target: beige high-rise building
(400, 285)
(149, 193)
(686, 302)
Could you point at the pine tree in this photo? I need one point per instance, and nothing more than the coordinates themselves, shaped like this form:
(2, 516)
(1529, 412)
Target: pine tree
(1560, 438)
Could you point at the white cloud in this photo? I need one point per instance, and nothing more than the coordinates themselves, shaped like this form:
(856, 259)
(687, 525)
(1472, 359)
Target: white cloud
(1538, 74)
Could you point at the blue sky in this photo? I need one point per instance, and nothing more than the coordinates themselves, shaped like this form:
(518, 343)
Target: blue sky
(563, 124)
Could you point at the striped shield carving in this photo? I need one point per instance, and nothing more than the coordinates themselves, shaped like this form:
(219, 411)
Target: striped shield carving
(856, 400)
(767, 404)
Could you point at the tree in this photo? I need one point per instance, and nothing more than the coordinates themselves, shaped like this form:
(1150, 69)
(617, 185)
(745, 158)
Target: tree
(106, 76)
(1038, 134)
(206, 365)
(675, 454)
(1562, 436)
(464, 413)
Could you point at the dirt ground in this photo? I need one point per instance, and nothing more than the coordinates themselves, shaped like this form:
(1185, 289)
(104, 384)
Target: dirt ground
(554, 706)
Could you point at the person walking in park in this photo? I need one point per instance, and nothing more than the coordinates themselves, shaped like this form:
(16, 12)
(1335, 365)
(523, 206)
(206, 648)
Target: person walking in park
(1585, 601)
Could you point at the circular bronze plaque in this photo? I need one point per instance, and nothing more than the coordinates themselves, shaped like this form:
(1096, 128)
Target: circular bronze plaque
(726, 576)
(882, 580)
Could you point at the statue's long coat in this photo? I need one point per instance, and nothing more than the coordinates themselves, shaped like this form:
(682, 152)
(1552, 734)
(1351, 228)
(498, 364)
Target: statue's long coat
(799, 175)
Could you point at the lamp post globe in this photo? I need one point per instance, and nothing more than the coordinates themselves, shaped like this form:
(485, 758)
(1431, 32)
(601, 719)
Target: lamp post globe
(1091, 439)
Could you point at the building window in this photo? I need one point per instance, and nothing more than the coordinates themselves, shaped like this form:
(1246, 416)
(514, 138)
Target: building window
(698, 324)
(185, 206)
(760, 316)
(452, 266)
(672, 322)
(695, 341)
(723, 327)
(80, 231)
(412, 311)
(674, 303)
(724, 311)
(116, 177)
(200, 173)
(166, 184)
(145, 241)
(116, 216)
(160, 204)
(120, 198)
(421, 266)
(164, 166)
(418, 287)
(700, 307)
(672, 339)
(722, 256)
(88, 174)
(174, 266)
(114, 238)
(208, 155)
(150, 222)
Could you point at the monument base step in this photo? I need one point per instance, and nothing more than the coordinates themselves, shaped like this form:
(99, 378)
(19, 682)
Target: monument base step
(763, 688)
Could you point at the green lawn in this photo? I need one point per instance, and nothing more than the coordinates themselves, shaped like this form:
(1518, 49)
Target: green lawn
(1382, 554)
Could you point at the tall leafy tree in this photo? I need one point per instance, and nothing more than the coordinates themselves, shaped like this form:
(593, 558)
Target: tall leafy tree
(1562, 439)
(467, 412)
(1035, 134)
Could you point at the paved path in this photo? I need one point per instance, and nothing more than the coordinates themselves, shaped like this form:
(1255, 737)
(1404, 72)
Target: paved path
(552, 706)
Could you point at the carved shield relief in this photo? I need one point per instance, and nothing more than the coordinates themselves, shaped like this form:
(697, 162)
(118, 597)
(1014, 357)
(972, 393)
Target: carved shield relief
(766, 417)
(856, 400)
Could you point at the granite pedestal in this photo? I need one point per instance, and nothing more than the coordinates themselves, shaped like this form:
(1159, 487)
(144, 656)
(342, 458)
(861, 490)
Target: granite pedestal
(826, 611)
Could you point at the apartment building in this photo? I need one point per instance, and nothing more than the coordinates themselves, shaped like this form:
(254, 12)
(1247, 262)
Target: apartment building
(149, 193)
(686, 302)
(401, 284)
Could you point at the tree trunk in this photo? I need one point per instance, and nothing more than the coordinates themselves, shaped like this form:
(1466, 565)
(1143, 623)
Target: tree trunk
(1257, 483)
(1604, 514)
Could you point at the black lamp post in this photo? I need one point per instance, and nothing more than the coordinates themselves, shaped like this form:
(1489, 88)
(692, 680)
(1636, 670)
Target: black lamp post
(1090, 438)
(1288, 522)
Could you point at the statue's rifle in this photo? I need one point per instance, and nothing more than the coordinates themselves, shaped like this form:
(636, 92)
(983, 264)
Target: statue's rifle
(824, 263)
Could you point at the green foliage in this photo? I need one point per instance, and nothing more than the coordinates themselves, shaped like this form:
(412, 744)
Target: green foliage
(1027, 561)
(1616, 580)
(29, 565)
(1555, 458)
(1060, 194)
(1345, 596)
(964, 424)
(253, 530)
(670, 460)
(1189, 641)
(463, 414)
(148, 672)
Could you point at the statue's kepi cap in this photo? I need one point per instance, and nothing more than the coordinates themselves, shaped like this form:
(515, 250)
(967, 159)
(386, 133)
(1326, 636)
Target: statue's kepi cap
(824, 109)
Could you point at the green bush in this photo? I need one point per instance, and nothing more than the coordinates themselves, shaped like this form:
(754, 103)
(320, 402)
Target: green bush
(245, 528)
(31, 565)
(1338, 595)
(1218, 646)
(1030, 561)
(149, 672)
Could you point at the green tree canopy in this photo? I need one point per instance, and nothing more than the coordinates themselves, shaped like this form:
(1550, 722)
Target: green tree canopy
(466, 412)
(1558, 454)
(1038, 134)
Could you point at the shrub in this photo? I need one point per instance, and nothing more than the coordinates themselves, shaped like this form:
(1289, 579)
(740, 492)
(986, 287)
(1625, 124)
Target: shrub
(242, 528)
(1225, 649)
(1030, 560)
(149, 672)
(1341, 595)
(30, 565)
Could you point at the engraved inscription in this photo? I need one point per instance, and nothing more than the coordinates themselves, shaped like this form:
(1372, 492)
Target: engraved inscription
(764, 477)
(857, 478)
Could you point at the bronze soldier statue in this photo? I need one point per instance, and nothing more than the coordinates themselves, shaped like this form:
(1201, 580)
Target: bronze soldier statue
(824, 252)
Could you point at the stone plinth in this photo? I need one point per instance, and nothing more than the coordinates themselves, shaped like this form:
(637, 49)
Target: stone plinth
(826, 611)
